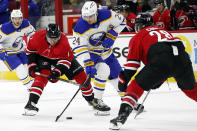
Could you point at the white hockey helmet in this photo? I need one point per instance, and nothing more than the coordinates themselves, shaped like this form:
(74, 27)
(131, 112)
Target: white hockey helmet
(89, 8)
(16, 17)
(16, 13)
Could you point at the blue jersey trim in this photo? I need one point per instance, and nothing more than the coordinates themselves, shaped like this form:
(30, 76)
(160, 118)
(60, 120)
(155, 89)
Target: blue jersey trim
(82, 26)
(8, 28)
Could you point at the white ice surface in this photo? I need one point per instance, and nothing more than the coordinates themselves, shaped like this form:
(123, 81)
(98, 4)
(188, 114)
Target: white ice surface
(167, 109)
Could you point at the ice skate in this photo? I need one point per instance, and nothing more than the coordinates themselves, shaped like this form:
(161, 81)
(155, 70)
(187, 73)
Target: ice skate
(139, 109)
(116, 123)
(101, 109)
(30, 109)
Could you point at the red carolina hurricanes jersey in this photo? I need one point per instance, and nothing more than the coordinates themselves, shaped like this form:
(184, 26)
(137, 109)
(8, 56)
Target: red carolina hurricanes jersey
(141, 42)
(61, 51)
(183, 19)
(162, 20)
(131, 21)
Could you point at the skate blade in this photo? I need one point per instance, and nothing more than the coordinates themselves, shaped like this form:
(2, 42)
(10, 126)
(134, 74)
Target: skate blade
(29, 113)
(116, 126)
(101, 113)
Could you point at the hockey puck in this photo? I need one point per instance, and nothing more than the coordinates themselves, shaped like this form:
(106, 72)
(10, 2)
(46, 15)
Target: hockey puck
(69, 117)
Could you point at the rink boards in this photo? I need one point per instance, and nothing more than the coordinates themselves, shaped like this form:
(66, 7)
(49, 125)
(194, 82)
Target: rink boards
(121, 50)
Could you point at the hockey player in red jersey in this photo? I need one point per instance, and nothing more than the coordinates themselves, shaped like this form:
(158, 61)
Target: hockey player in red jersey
(162, 16)
(163, 55)
(130, 17)
(49, 54)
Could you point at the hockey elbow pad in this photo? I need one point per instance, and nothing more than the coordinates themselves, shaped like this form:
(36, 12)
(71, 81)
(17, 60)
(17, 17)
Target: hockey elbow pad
(111, 36)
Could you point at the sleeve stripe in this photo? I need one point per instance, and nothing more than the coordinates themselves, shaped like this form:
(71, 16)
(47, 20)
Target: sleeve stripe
(65, 63)
(84, 46)
(131, 68)
(80, 50)
(30, 51)
(81, 53)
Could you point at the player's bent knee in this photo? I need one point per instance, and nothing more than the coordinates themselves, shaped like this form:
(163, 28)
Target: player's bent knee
(103, 70)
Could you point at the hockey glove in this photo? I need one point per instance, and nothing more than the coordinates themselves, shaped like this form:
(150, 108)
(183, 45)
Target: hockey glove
(123, 81)
(55, 74)
(90, 67)
(33, 68)
(3, 54)
(111, 36)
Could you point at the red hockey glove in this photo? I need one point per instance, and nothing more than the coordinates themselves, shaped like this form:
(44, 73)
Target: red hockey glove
(33, 68)
(55, 74)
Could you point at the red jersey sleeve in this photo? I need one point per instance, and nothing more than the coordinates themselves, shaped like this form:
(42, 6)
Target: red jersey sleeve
(31, 45)
(134, 55)
(64, 52)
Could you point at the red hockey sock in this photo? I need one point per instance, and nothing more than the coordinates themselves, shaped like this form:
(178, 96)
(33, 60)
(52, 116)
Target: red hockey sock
(133, 93)
(39, 83)
(80, 78)
(192, 93)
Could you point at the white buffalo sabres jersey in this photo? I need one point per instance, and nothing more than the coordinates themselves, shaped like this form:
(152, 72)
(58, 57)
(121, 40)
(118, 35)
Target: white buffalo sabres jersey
(88, 38)
(12, 38)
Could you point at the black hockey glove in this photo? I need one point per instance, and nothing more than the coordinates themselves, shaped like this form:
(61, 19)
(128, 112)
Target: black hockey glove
(33, 68)
(55, 74)
(123, 81)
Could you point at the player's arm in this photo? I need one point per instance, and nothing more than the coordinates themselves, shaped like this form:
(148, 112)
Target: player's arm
(32, 55)
(118, 22)
(132, 65)
(80, 47)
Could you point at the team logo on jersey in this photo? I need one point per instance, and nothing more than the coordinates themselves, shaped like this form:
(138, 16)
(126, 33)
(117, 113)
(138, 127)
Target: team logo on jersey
(17, 42)
(161, 24)
(182, 20)
(97, 38)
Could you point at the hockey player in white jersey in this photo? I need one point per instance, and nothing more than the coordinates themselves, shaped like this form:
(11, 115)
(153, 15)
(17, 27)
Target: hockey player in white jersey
(94, 36)
(12, 45)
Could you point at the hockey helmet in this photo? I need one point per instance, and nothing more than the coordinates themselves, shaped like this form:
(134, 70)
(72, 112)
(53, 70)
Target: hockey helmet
(89, 8)
(16, 13)
(124, 7)
(53, 34)
(16, 17)
(53, 31)
(158, 2)
(143, 20)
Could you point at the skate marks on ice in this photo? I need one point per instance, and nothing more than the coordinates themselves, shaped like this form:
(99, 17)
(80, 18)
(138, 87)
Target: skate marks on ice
(166, 110)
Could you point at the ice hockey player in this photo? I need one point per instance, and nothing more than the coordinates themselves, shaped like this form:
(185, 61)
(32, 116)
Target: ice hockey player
(12, 50)
(94, 36)
(49, 54)
(162, 16)
(130, 17)
(163, 55)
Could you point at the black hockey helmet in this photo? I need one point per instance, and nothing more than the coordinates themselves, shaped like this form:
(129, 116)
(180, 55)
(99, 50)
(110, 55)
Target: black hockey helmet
(158, 2)
(53, 31)
(124, 7)
(143, 20)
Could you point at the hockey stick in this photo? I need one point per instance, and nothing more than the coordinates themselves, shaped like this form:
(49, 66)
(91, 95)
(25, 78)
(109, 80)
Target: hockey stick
(60, 79)
(140, 110)
(57, 118)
